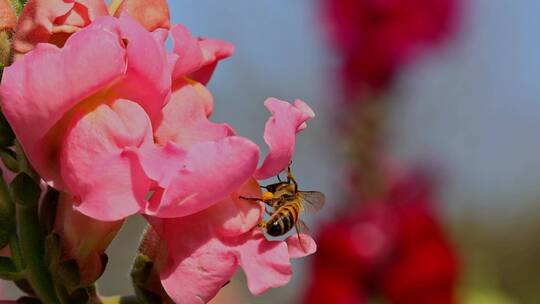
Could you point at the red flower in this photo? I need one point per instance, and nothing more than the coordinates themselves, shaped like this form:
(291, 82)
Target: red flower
(376, 37)
(396, 249)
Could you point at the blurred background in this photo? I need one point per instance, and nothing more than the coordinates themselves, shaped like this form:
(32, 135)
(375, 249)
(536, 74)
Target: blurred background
(426, 143)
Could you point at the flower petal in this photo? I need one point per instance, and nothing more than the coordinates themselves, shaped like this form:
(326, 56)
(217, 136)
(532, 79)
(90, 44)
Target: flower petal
(185, 120)
(147, 80)
(96, 162)
(234, 216)
(280, 134)
(199, 264)
(266, 263)
(299, 250)
(33, 102)
(41, 19)
(151, 14)
(209, 173)
(196, 54)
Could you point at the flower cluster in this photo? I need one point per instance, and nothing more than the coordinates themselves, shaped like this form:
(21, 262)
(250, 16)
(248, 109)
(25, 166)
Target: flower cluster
(120, 126)
(375, 38)
(394, 249)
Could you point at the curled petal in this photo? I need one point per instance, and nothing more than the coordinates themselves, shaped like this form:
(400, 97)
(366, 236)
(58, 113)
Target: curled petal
(234, 216)
(197, 56)
(280, 134)
(198, 262)
(209, 172)
(97, 164)
(301, 247)
(202, 260)
(185, 119)
(151, 14)
(147, 79)
(266, 263)
(53, 21)
(33, 103)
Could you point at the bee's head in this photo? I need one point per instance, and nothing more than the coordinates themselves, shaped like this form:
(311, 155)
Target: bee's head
(267, 196)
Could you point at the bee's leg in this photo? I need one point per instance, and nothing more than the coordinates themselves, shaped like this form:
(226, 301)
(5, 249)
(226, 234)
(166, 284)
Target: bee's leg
(254, 199)
(250, 198)
(262, 224)
(279, 178)
(302, 245)
(290, 178)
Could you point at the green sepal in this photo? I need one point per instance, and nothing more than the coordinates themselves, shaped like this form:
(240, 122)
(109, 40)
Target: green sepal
(25, 190)
(80, 296)
(7, 137)
(8, 270)
(28, 300)
(69, 273)
(47, 212)
(141, 270)
(18, 5)
(9, 158)
(140, 274)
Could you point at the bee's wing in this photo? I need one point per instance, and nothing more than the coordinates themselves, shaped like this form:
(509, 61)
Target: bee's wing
(312, 201)
(301, 227)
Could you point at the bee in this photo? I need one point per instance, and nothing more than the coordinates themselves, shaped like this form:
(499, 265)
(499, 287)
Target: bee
(287, 203)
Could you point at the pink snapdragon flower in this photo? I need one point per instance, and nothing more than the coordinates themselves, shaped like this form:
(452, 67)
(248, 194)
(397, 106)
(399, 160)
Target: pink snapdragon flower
(53, 21)
(206, 248)
(96, 136)
(121, 125)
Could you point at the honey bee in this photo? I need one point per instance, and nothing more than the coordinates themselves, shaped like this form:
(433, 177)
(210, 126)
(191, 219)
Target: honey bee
(287, 203)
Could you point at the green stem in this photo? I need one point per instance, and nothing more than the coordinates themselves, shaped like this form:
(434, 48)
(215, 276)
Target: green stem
(16, 254)
(120, 300)
(33, 253)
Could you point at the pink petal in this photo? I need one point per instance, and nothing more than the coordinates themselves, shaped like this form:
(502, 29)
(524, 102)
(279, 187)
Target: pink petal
(213, 51)
(209, 173)
(201, 261)
(96, 162)
(41, 19)
(199, 264)
(266, 263)
(34, 103)
(185, 121)
(280, 134)
(151, 14)
(147, 80)
(196, 54)
(161, 164)
(234, 216)
(297, 250)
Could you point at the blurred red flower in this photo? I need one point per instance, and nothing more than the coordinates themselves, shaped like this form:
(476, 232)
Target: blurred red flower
(374, 38)
(395, 249)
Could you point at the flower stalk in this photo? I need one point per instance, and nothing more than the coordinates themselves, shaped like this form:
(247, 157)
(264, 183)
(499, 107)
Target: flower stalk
(26, 195)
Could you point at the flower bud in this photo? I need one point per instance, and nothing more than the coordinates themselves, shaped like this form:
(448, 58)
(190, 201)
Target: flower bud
(83, 239)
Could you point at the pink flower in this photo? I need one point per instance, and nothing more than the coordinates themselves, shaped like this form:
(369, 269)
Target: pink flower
(93, 131)
(124, 129)
(116, 130)
(53, 21)
(206, 248)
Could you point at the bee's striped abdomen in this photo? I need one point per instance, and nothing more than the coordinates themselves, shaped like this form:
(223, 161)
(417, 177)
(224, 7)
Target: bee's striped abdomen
(283, 219)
